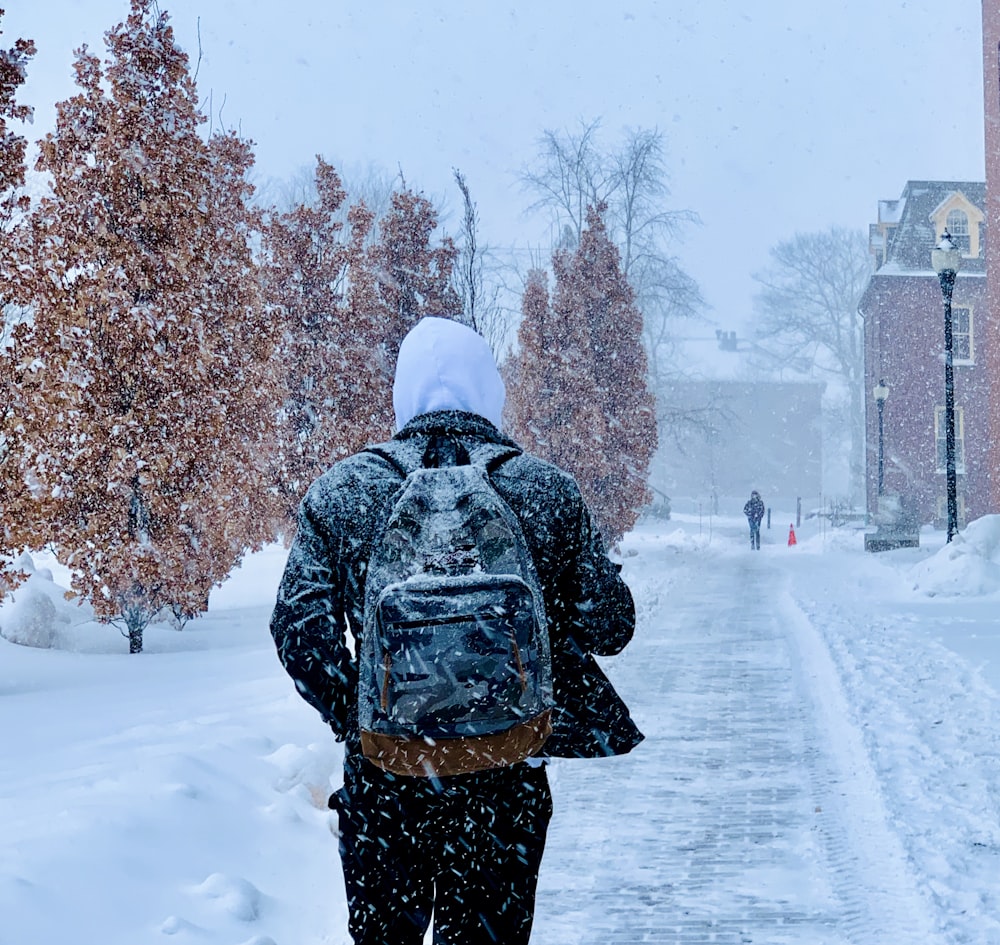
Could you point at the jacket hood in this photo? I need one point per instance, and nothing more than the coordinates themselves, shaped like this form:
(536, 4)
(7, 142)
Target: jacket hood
(444, 365)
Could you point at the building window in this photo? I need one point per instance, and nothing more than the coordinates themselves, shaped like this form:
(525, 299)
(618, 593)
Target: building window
(961, 334)
(958, 227)
(942, 510)
(939, 439)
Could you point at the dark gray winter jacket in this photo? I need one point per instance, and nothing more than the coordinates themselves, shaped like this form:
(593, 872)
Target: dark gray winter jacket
(590, 610)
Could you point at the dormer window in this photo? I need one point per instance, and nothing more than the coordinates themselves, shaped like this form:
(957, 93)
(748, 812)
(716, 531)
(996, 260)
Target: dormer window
(963, 220)
(958, 227)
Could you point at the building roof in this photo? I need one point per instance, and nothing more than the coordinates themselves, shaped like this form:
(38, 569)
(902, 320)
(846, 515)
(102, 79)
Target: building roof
(912, 238)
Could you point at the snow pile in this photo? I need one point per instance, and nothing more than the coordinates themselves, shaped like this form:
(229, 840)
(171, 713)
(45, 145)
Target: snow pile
(688, 536)
(653, 589)
(968, 566)
(35, 613)
(175, 796)
(179, 796)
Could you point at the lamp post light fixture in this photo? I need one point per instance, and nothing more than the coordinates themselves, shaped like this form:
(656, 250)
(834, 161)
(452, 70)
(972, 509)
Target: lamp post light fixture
(881, 392)
(946, 258)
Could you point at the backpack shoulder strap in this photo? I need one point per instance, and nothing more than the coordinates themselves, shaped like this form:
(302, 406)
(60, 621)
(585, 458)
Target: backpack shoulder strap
(402, 455)
(491, 456)
(406, 456)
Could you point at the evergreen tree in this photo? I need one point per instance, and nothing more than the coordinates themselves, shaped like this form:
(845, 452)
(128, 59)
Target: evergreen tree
(578, 394)
(145, 364)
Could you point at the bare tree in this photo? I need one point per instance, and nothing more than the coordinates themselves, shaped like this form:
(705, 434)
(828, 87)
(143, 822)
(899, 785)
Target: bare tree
(571, 176)
(369, 184)
(808, 312)
(474, 279)
(575, 172)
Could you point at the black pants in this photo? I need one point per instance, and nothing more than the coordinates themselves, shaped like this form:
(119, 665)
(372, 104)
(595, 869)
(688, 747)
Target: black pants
(755, 535)
(467, 848)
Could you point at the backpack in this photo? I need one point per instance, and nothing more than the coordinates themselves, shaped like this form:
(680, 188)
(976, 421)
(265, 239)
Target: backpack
(454, 662)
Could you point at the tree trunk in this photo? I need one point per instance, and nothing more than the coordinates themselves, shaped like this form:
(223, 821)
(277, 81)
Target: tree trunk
(136, 619)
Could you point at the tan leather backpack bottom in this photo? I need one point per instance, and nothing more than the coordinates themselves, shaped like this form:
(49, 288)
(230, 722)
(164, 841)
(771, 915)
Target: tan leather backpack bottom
(427, 758)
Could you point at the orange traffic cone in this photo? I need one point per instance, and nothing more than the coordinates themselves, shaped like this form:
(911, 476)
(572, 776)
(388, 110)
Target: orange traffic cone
(791, 536)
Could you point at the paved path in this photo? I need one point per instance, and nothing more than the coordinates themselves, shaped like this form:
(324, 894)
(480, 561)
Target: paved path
(729, 824)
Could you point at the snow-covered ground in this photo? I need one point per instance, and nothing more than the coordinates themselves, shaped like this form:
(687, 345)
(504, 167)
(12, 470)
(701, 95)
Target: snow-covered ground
(179, 795)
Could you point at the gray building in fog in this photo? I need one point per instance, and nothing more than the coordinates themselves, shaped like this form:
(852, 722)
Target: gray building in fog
(724, 438)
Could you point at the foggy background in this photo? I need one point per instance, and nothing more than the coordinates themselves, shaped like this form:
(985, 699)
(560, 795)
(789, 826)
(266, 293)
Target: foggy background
(796, 117)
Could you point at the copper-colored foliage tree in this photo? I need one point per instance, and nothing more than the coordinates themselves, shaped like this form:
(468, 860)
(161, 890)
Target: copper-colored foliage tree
(13, 63)
(578, 394)
(15, 497)
(551, 408)
(13, 493)
(344, 302)
(528, 374)
(146, 364)
(411, 278)
(238, 335)
(620, 370)
(305, 275)
(363, 387)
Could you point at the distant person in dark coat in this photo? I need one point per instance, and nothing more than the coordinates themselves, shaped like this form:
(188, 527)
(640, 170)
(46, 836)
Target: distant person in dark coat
(754, 511)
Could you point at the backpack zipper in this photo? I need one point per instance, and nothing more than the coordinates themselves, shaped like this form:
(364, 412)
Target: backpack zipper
(386, 665)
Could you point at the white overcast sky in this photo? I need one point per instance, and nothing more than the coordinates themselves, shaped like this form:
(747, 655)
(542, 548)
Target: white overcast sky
(793, 116)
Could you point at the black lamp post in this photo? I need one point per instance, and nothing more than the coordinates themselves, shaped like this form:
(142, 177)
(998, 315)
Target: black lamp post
(881, 392)
(946, 258)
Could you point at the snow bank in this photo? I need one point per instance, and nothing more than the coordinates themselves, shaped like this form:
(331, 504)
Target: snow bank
(36, 611)
(968, 566)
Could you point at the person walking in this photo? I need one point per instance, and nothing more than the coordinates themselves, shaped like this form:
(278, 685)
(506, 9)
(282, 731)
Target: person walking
(754, 511)
(465, 848)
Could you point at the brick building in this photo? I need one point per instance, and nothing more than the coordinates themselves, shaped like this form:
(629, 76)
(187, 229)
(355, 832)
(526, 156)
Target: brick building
(990, 322)
(903, 309)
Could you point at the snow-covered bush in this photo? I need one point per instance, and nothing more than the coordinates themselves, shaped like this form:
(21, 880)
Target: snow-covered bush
(34, 613)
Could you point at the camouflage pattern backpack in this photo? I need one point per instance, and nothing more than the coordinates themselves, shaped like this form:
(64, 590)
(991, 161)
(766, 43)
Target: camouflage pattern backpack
(454, 663)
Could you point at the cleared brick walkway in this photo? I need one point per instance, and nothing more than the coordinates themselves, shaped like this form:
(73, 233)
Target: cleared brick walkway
(722, 826)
